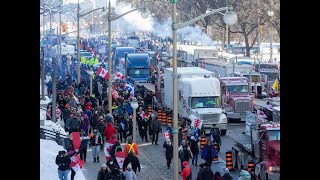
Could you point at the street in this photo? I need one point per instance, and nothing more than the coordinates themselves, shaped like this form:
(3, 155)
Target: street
(153, 162)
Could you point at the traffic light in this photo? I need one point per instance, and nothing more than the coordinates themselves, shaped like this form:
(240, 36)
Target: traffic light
(64, 28)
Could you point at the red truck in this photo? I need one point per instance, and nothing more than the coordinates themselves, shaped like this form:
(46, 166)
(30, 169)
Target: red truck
(261, 146)
(235, 97)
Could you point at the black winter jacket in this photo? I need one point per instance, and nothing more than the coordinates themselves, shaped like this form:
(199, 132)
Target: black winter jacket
(134, 162)
(205, 173)
(63, 162)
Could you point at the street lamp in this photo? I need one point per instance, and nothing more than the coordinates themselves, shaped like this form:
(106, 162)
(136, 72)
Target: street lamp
(144, 14)
(230, 18)
(78, 36)
(270, 14)
(134, 105)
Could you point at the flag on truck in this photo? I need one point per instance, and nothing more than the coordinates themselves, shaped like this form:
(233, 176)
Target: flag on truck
(196, 123)
(103, 73)
(275, 86)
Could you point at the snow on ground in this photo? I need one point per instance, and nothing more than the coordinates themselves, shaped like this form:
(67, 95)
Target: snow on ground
(48, 168)
(46, 101)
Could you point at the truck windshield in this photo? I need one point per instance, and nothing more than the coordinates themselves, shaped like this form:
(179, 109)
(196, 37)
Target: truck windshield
(274, 135)
(138, 72)
(205, 102)
(255, 78)
(238, 88)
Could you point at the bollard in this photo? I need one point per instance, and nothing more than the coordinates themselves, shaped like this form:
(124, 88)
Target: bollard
(149, 109)
(202, 141)
(164, 118)
(215, 158)
(250, 165)
(184, 134)
(229, 160)
(170, 120)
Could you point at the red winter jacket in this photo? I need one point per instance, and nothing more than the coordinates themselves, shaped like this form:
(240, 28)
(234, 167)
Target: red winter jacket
(186, 170)
(109, 131)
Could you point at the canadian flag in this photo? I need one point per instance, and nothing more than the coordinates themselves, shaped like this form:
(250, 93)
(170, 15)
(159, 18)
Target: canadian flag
(166, 135)
(120, 156)
(107, 148)
(102, 73)
(119, 75)
(76, 163)
(158, 56)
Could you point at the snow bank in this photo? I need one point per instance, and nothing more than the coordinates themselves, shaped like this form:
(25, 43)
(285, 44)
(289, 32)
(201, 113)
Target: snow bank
(49, 125)
(48, 168)
(46, 101)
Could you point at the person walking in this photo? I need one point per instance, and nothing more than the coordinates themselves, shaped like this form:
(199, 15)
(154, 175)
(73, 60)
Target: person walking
(131, 147)
(131, 158)
(102, 174)
(169, 152)
(95, 142)
(208, 152)
(185, 153)
(205, 172)
(215, 135)
(129, 174)
(83, 145)
(63, 161)
(186, 173)
(144, 129)
(194, 147)
(109, 130)
(155, 128)
(226, 175)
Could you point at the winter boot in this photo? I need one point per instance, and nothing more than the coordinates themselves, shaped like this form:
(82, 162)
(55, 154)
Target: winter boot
(94, 160)
(98, 159)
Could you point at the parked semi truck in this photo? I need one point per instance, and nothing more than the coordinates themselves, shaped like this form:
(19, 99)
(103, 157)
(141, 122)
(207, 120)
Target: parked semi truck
(235, 96)
(137, 67)
(261, 146)
(199, 97)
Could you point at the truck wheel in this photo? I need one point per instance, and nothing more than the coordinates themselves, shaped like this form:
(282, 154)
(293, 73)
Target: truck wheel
(234, 158)
(223, 132)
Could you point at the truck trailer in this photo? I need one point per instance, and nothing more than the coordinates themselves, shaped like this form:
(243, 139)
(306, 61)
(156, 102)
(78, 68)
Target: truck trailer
(199, 97)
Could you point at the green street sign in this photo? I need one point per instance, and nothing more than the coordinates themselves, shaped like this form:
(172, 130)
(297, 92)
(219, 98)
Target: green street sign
(175, 130)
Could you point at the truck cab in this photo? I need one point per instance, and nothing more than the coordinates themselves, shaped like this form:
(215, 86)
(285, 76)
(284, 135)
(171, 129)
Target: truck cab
(269, 167)
(256, 82)
(137, 67)
(119, 57)
(235, 98)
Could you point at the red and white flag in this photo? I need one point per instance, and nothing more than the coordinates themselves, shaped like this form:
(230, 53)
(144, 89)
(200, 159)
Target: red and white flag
(158, 56)
(102, 73)
(197, 123)
(119, 75)
(76, 163)
(107, 148)
(166, 135)
(120, 156)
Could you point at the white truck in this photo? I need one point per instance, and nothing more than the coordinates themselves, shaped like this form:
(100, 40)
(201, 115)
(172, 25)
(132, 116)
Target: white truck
(199, 97)
(65, 49)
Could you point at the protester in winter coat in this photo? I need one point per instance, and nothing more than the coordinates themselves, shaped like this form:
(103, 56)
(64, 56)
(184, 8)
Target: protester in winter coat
(129, 173)
(95, 142)
(109, 131)
(131, 147)
(186, 173)
(123, 128)
(205, 172)
(169, 152)
(144, 129)
(74, 125)
(70, 154)
(113, 140)
(102, 174)
(155, 126)
(208, 152)
(226, 175)
(115, 174)
(101, 125)
(194, 149)
(68, 143)
(63, 161)
(131, 158)
(83, 146)
(85, 123)
(185, 153)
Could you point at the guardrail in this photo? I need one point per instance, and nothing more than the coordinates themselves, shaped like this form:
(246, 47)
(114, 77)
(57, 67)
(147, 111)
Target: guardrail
(56, 136)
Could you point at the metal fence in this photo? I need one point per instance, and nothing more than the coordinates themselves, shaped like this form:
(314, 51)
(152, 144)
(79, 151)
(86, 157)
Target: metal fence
(56, 136)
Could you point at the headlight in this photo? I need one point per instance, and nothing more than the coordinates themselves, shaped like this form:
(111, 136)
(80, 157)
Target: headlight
(274, 169)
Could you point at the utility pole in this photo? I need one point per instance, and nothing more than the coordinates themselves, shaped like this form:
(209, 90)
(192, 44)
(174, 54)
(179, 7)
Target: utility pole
(60, 59)
(42, 73)
(175, 130)
(259, 32)
(78, 43)
(227, 33)
(110, 60)
(54, 88)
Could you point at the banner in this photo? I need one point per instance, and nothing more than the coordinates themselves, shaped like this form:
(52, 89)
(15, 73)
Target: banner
(76, 140)
(76, 163)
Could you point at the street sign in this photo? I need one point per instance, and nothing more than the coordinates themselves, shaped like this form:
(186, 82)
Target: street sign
(175, 130)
